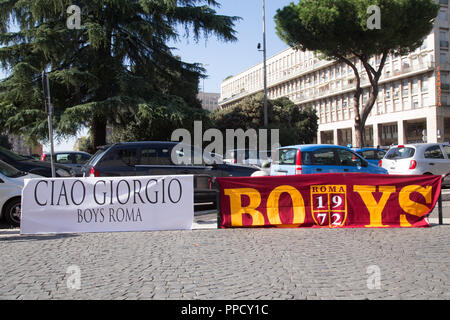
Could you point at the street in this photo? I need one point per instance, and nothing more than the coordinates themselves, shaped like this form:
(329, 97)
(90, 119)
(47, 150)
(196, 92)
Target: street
(207, 263)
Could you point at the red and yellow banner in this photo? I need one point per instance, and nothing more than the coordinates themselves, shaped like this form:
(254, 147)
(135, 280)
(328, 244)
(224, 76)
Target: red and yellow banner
(337, 200)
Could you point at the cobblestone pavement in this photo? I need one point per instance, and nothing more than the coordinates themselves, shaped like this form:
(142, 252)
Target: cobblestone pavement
(229, 264)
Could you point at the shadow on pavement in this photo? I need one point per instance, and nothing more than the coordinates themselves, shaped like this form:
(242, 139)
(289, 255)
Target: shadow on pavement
(19, 238)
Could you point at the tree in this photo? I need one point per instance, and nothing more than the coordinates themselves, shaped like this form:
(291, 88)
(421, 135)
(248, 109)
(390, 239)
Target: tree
(4, 142)
(107, 71)
(83, 144)
(296, 126)
(346, 30)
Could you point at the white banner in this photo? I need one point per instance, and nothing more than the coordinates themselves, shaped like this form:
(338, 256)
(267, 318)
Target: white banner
(104, 204)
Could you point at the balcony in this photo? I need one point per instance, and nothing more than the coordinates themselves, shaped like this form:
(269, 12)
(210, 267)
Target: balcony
(324, 89)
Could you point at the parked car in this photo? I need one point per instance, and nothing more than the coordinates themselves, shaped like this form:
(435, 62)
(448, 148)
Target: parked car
(11, 184)
(154, 158)
(420, 158)
(248, 157)
(373, 155)
(32, 166)
(320, 158)
(72, 159)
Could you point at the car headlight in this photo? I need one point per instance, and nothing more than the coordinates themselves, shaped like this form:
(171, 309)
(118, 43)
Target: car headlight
(63, 173)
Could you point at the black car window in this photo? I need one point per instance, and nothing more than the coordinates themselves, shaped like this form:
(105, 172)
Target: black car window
(307, 158)
(81, 158)
(5, 153)
(433, 152)
(119, 157)
(368, 154)
(155, 156)
(348, 158)
(324, 157)
(98, 155)
(64, 158)
(9, 171)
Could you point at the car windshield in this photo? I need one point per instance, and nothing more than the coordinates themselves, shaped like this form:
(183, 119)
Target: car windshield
(400, 153)
(10, 171)
(12, 155)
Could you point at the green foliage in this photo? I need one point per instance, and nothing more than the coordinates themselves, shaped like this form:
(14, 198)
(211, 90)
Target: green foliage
(156, 120)
(295, 126)
(84, 144)
(339, 30)
(105, 72)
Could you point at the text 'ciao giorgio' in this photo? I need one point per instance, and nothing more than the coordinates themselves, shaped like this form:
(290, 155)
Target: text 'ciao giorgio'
(68, 192)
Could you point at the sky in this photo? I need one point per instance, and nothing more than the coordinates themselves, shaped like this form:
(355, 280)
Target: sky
(222, 59)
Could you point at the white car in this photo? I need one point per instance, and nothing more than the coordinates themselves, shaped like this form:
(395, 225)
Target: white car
(11, 184)
(420, 158)
(247, 157)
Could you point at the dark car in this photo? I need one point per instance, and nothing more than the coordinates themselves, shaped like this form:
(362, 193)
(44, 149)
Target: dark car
(72, 159)
(373, 155)
(154, 158)
(32, 166)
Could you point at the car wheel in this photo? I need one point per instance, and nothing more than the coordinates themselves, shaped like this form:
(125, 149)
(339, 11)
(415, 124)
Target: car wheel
(12, 212)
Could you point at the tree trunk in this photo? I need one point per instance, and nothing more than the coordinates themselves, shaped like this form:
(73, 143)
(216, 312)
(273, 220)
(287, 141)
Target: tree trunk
(359, 135)
(98, 131)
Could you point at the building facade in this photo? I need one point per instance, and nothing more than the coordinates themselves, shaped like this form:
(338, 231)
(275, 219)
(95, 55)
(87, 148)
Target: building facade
(209, 100)
(413, 102)
(20, 146)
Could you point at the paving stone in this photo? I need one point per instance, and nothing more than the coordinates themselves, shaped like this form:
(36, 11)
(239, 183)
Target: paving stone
(230, 264)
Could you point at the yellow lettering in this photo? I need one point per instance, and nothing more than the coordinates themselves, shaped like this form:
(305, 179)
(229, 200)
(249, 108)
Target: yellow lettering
(410, 206)
(237, 210)
(375, 209)
(298, 206)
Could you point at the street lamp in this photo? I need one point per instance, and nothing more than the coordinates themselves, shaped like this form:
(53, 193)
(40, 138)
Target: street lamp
(266, 121)
(49, 110)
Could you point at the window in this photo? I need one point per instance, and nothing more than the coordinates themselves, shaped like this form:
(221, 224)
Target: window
(425, 84)
(447, 151)
(415, 86)
(154, 156)
(82, 158)
(119, 157)
(64, 158)
(288, 156)
(347, 158)
(400, 153)
(324, 157)
(388, 92)
(433, 152)
(373, 154)
(405, 88)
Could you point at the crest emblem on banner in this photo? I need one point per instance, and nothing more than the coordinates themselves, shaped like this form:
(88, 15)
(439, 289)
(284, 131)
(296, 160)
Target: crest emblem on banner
(329, 205)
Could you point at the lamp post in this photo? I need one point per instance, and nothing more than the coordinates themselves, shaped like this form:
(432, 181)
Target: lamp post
(266, 121)
(49, 109)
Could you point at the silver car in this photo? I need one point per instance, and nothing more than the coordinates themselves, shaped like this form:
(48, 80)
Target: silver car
(421, 158)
